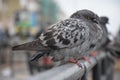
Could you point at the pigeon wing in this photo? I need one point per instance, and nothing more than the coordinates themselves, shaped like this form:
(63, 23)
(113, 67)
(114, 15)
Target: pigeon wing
(64, 34)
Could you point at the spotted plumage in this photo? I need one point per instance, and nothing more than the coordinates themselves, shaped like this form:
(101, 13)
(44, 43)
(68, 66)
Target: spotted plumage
(65, 34)
(70, 38)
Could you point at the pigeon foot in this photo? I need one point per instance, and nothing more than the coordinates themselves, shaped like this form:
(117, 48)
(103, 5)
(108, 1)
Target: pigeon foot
(94, 53)
(86, 59)
(75, 62)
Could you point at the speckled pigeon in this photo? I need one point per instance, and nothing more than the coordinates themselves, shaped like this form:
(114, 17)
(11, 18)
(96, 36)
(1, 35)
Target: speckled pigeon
(68, 39)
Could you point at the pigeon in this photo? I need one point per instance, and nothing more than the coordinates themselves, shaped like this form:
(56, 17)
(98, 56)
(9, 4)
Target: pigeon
(114, 47)
(68, 39)
(105, 38)
(117, 38)
(106, 43)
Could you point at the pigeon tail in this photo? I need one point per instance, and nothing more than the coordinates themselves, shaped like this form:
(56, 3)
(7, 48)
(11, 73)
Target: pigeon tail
(34, 45)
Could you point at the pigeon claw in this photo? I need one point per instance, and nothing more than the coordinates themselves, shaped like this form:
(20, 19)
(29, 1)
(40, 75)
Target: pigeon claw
(75, 62)
(47, 60)
(86, 59)
(94, 53)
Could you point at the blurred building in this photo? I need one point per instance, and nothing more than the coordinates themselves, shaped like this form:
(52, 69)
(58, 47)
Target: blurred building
(22, 20)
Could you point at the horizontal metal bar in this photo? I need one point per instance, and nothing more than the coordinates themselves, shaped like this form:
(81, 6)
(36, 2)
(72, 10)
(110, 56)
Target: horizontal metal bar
(68, 71)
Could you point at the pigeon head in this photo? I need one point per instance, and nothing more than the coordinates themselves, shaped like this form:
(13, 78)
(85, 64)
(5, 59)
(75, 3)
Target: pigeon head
(104, 20)
(86, 14)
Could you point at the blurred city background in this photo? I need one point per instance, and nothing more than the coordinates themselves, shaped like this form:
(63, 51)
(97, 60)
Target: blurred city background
(24, 20)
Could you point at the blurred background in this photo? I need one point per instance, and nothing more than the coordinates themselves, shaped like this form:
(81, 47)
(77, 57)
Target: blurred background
(24, 20)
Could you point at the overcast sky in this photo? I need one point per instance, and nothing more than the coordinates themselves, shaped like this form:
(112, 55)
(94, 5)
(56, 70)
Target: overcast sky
(110, 8)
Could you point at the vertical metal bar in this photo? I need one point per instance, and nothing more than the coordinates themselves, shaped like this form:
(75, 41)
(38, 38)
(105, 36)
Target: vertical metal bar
(104, 66)
(84, 77)
(110, 73)
(12, 63)
(110, 76)
(96, 72)
(30, 65)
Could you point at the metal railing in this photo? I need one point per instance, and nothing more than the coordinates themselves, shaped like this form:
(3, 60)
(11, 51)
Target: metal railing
(73, 72)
